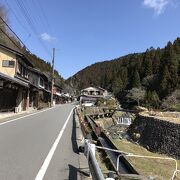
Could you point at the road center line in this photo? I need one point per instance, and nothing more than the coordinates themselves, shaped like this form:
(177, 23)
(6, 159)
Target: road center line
(45, 165)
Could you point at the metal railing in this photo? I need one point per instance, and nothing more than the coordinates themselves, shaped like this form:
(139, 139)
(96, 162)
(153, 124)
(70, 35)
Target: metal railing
(95, 170)
(122, 153)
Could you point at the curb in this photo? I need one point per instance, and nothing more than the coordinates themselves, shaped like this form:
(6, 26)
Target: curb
(24, 114)
(83, 172)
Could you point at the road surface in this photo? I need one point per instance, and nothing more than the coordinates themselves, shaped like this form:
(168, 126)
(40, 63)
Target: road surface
(40, 146)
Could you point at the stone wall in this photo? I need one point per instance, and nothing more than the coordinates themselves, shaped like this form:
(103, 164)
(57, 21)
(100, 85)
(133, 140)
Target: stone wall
(156, 135)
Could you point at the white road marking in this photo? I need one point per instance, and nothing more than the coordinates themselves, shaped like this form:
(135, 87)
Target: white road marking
(46, 162)
(6, 122)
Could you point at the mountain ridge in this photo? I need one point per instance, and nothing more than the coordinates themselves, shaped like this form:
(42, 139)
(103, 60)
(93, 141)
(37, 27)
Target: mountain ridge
(156, 71)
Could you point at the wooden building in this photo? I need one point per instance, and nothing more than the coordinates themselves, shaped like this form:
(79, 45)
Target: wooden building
(57, 94)
(92, 94)
(22, 85)
(14, 90)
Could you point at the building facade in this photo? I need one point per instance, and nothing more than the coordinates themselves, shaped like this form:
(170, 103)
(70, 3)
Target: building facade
(92, 94)
(94, 91)
(14, 88)
(21, 84)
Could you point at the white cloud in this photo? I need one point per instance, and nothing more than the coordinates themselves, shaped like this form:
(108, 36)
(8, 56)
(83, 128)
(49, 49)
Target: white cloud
(158, 5)
(47, 37)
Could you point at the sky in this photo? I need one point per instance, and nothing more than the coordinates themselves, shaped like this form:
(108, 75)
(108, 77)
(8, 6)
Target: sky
(87, 31)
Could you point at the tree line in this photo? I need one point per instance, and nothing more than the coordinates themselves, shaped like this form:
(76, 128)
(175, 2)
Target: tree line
(149, 78)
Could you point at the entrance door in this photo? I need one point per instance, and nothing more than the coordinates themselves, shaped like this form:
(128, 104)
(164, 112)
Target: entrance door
(24, 100)
(7, 99)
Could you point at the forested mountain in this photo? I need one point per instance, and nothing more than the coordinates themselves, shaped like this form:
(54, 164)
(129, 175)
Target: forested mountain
(45, 67)
(151, 78)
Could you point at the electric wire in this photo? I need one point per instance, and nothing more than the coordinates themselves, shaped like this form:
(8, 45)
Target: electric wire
(13, 33)
(26, 14)
(18, 20)
(20, 41)
(42, 19)
(9, 38)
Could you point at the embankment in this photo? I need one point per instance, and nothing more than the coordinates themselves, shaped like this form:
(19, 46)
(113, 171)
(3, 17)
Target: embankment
(156, 135)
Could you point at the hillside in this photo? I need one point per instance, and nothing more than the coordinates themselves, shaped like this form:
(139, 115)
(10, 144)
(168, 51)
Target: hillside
(147, 78)
(45, 67)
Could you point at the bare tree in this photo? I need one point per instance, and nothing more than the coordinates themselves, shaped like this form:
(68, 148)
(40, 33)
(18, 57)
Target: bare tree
(172, 100)
(136, 95)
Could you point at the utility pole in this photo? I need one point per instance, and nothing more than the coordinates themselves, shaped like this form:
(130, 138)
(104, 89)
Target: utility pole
(52, 85)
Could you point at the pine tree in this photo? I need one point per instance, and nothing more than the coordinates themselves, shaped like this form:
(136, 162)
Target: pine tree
(117, 86)
(164, 82)
(147, 64)
(148, 98)
(136, 83)
(170, 60)
(152, 99)
(156, 61)
(124, 76)
(104, 82)
(155, 102)
(177, 50)
(176, 46)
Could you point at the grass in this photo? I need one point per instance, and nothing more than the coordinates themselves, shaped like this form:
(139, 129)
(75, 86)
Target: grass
(104, 163)
(173, 117)
(160, 169)
(177, 107)
(101, 162)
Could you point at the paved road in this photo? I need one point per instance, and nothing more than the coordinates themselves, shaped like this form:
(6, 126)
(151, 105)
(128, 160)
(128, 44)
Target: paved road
(40, 146)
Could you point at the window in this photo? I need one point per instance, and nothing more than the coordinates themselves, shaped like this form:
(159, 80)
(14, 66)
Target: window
(41, 82)
(22, 71)
(8, 63)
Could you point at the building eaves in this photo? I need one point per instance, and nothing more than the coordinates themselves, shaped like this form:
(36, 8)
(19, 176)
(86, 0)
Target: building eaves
(16, 53)
(14, 80)
(11, 50)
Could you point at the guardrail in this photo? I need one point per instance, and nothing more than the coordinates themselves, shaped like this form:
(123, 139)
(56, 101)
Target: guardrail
(89, 151)
(98, 174)
(124, 166)
(95, 170)
(93, 163)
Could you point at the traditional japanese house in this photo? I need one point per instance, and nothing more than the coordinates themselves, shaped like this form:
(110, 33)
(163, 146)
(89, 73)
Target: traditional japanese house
(40, 88)
(14, 83)
(57, 94)
(92, 94)
(44, 88)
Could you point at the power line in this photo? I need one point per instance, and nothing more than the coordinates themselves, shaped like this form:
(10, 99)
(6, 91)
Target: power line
(44, 15)
(13, 33)
(41, 17)
(30, 22)
(11, 9)
(9, 38)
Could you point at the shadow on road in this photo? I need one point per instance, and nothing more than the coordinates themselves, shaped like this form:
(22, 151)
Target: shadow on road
(72, 172)
(73, 137)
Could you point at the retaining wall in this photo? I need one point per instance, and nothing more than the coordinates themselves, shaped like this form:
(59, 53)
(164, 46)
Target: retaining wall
(156, 135)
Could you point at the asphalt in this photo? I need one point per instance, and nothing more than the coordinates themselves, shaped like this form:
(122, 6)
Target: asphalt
(26, 142)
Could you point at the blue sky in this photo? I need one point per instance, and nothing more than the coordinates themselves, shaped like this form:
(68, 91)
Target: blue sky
(87, 31)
